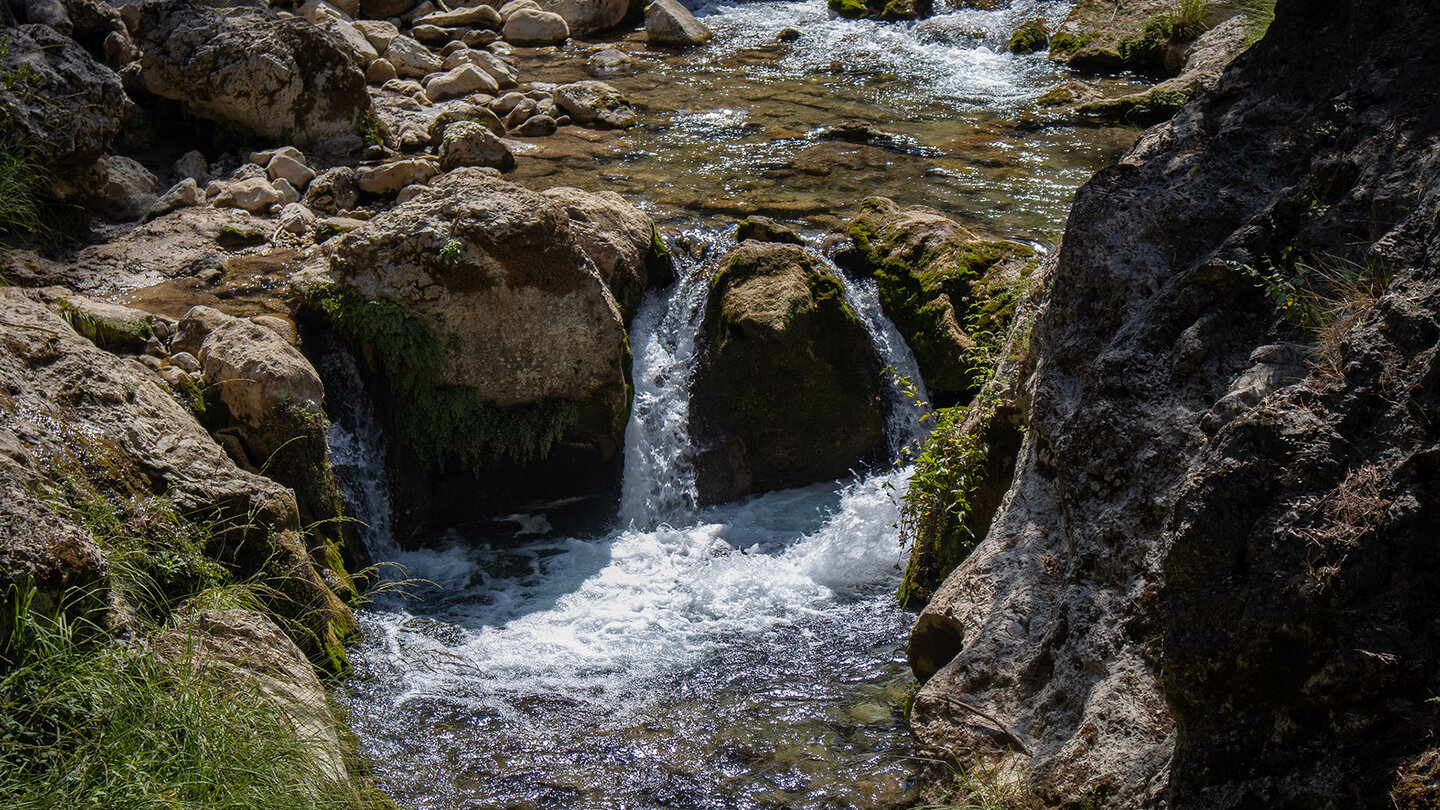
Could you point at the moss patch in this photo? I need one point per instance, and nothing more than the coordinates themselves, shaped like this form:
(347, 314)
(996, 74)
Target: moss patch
(1029, 38)
(110, 334)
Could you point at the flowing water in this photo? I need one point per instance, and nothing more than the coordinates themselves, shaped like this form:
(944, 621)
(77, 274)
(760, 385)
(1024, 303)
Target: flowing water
(748, 655)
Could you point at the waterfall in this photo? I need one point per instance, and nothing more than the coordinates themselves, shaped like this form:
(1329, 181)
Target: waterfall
(358, 449)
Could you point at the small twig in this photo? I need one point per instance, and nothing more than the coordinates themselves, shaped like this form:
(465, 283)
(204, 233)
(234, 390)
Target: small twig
(992, 718)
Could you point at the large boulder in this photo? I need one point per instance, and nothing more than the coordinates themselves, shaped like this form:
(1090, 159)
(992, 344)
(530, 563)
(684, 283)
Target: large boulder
(532, 26)
(57, 99)
(622, 241)
(588, 16)
(883, 9)
(669, 23)
(940, 284)
(281, 79)
(787, 391)
(491, 341)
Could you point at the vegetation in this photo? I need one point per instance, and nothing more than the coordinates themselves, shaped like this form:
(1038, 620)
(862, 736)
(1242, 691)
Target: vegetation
(1260, 14)
(442, 426)
(1029, 37)
(109, 334)
(981, 786)
(1146, 50)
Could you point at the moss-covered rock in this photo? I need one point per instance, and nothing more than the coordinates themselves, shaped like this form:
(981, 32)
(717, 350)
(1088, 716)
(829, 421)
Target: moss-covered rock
(787, 391)
(1090, 38)
(940, 284)
(1029, 37)
(883, 9)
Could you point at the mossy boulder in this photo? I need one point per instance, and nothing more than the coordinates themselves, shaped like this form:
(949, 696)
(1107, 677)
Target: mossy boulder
(1090, 38)
(787, 391)
(481, 319)
(883, 9)
(940, 284)
(1029, 37)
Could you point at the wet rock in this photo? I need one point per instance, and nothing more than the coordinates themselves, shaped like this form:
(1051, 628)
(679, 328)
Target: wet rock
(537, 126)
(669, 23)
(388, 178)
(883, 9)
(938, 283)
(470, 144)
(595, 104)
(765, 229)
(505, 104)
(58, 97)
(522, 113)
(1030, 37)
(610, 62)
(411, 59)
(276, 78)
(518, 378)
(1097, 36)
(787, 388)
(788, 35)
(529, 26)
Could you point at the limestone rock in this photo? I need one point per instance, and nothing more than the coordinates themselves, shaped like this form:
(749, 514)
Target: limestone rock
(295, 218)
(59, 98)
(119, 187)
(787, 390)
(254, 195)
(610, 62)
(379, 32)
(477, 16)
(500, 70)
(193, 166)
(470, 144)
(385, 9)
(669, 23)
(529, 26)
(883, 9)
(620, 239)
(290, 168)
(411, 59)
(537, 126)
(183, 194)
(587, 16)
(388, 178)
(333, 191)
(457, 82)
(595, 104)
(243, 66)
(380, 71)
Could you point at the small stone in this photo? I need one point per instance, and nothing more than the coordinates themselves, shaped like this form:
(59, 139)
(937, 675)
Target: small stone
(610, 62)
(788, 34)
(433, 34)
(181, 195)
(264, 156)
(521, 113)
(457, 82)
(411, 59)
(478, 16)
(288, 193)
(185, 361)
(380, 72)
(409, 193)
(193, 165)
(513, 6)
(295, 218)
(253, 195)
(504, 104)
(288, 168)
(537, 126)
(379, 32)
(389, 178)
(595, 103)
(479, 38)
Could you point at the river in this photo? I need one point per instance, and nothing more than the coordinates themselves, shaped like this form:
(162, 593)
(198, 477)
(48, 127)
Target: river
(748, 655)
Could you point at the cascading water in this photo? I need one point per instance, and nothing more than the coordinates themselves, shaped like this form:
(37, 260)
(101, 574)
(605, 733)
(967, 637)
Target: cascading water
(357, 449)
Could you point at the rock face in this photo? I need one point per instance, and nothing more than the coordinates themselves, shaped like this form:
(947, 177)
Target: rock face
(493, 341)
(280, 79)
(57, 98)
(787, 391)
(1210, 584)
(940, 284)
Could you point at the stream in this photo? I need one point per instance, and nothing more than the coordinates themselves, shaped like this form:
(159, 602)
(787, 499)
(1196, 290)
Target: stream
(747, 655)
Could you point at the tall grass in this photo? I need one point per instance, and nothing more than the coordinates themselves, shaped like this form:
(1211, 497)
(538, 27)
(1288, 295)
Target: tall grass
(1260, 14)
(1188, 20)
(91, 723)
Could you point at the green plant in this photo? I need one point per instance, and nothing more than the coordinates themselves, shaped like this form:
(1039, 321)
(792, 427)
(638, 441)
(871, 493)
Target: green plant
(985, 786)
(1259, 14)
(107, 333)
(369, 129)
(1187, 21)
(451, 251)
(92, 723)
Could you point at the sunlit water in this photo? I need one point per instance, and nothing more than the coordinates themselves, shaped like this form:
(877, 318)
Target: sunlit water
(748, 655)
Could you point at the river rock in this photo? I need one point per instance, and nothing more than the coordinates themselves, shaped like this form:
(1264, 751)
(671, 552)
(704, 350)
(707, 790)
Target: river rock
(620, 239)
(255, 195)
(537, 126)
(278, 78)
(521, 345)
(765, 229)
(500, 70)
(669, 23)
(118, 187)
(292, 170)
(513, 6)
(883, 9)
(181, 195)
(58, 98)
(459, 81)
(529, 26)
(411, 59)
(587, 16)
(295, 219)
(385, 9)
(480, 115)
(388, 178)
(938, 283)
(470, 144)
(333, 191)
(1097, 36)
(380, 71)
(610, 62)
(379, 33)
(477, 16)
(787, 388)
(595, 104)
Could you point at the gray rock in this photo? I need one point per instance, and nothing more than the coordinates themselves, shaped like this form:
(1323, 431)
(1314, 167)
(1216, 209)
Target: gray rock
(255, 195)
(669, 23)
(477, 16)
(587, 16)
(459, 81)
(333, 191)
(470, 144)
(64, 102)
(192, 165)
(411, 59)
(529, 26)
(595, 104)
(290, 169)
(388, 178)
(120, 188)
(181, 195)
(610, 62)
(537, 126)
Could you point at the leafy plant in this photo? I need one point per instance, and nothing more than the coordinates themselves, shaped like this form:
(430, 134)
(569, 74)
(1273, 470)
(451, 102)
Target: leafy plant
(450, 252)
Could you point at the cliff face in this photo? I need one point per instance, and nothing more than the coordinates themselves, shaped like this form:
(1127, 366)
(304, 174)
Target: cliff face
(1213, 580)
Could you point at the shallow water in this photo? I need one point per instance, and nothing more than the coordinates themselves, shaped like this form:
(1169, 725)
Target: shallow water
(737, 127)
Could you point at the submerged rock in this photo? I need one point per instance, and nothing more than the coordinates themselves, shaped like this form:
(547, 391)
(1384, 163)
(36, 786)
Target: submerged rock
(787, 389)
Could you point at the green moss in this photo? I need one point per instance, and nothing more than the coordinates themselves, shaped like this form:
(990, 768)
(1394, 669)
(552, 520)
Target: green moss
(659, 261)
(440, 426)
(328, 231)
(1063, 44)
(1029, 38)
(232, 238)
(369, 128)
(1141, 109)
(110, 334)
(853, 9)
(1058, 97)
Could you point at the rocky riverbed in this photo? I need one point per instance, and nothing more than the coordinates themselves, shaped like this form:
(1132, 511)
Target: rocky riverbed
(622, 314)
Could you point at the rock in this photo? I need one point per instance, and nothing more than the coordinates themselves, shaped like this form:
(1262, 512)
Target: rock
(521, 113)
(620, 239)
(595, 104)
(501, 71)
(522, 355)
(388, 178)
(319, 12)
(42, 549)
(385, 9)
(263, 157)
(114, 328)
(765, 229)
(1244, 617)
(470, 144)
(938, 283)
(192, 165)
(669, 23)
(1091, 36)
(285, 167)
(787, 387)
(434, 35)
(479, 38)
(411, 59)
(49, 13)
(380, 71)
(537, 126)
(278, 78)
(529, 26)
(254, 195)
(788, 35)
(883, 9)
(117, 433)
(378, 32)
(355, 43)
(478, 16)
(587, 16)
(333, 191)
(505, 104)
(119, 188)
(58, 98)
(418, 11)
(457, 82)
(610, 62)
(1030, 37)
(183, 194)
(288, 193)
(479, 115)
(513, 6)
